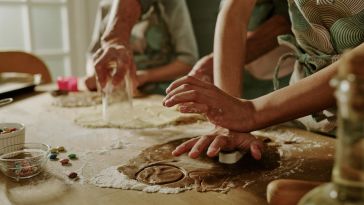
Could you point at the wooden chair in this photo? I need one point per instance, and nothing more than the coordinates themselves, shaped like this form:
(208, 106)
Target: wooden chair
(22, 62)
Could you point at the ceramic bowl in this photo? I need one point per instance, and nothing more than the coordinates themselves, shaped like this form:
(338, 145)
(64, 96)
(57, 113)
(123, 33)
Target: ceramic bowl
(12, 138)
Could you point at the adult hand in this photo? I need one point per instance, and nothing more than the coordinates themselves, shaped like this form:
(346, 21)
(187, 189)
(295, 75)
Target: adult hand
(90, 83)
(220, 139)
(195, 96)
(113, 54)
(203, 69)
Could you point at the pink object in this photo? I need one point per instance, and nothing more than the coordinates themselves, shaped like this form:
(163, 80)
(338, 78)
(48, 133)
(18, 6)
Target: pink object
(67, 83)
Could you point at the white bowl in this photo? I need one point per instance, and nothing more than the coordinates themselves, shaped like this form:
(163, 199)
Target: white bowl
(12, 138)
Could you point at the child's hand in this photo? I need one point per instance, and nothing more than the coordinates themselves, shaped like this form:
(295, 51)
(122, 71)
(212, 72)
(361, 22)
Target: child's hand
(113, 53)
(220, 139)
(203, 69)
(195, 96)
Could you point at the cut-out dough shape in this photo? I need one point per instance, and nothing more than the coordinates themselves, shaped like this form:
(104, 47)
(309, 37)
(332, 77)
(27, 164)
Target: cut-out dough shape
(203, 174)
(160, 174)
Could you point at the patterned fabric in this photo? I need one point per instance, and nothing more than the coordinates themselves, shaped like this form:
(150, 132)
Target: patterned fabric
(323, 30)
(150, 40)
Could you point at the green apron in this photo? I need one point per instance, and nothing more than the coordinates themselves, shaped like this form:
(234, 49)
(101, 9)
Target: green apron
(323, 30)
(158, 49)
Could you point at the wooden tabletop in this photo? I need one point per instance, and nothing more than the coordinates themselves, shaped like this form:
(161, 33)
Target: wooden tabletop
(54, 126)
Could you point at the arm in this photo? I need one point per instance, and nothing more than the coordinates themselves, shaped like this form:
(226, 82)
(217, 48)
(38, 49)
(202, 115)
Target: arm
(124, 15)
(178, 21)
(230, 43)
(309, 95)
(114, 42)
(259, 42)
(264, 38)
(167, 72)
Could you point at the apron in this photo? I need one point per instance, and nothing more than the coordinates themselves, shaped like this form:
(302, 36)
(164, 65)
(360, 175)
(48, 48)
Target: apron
(150, 42)
(152, 46)
(323, 30)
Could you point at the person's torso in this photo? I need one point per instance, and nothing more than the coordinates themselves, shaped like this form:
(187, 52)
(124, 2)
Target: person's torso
(150, 37)
(151, 40)
(327, 27)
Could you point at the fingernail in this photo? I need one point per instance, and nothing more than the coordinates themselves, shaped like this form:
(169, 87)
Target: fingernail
(257, 152)
(193, 154)
(213, 151)
(175, 153)
(167, 103)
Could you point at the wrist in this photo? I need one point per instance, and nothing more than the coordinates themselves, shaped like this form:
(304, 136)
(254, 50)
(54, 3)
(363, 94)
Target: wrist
(142, 77)
(249, 117)
(261, 116)
(114, 42)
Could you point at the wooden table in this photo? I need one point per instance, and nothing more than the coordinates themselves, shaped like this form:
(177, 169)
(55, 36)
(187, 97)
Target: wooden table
(54, 126)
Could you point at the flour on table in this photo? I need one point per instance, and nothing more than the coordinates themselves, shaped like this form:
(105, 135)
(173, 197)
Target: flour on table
(78, 99)
(112, 178)
(145, 113)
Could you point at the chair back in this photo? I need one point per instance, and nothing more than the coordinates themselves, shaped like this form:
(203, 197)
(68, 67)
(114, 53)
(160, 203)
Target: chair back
(22, 62)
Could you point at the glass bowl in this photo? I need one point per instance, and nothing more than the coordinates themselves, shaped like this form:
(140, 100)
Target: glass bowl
(24, 161)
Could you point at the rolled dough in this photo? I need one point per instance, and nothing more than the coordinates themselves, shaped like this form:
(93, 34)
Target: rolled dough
(156, 165)
(146, 112)
(78, 99)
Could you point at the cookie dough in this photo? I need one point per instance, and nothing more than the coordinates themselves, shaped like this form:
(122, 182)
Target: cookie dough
(156, 165)
(146, 113)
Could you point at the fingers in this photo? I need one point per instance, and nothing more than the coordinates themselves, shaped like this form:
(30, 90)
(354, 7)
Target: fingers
(119, 74)
(187, 80)
(184, 147)
(193, 108)
(201, 145)
(256, 149)
(185, 97)
(188, 93)
(217, 141)
(90, 83)
(218, 144)
(102, 60)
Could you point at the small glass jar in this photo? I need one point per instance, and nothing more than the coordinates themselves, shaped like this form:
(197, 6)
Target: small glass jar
(347, 186)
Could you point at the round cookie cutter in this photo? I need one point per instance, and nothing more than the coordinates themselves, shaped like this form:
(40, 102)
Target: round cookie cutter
(182, 171)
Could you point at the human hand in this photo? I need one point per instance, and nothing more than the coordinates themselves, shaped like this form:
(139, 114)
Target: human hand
(203, 69)
(110, 54)
(142, 77)
(218, 140)
(195, 96)
(90, 83)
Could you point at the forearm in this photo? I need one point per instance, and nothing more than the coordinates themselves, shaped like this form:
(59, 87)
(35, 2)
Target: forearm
(230, 43)
(307, 96)
(124, 15)
(167, 72)
(264, 38)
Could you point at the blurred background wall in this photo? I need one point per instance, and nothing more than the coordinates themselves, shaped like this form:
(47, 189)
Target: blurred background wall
(59, 31)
